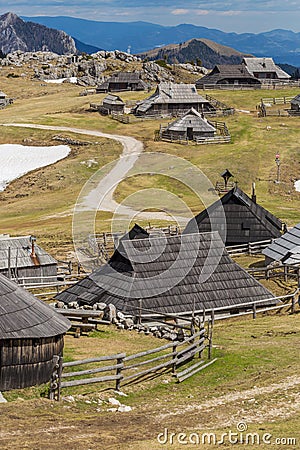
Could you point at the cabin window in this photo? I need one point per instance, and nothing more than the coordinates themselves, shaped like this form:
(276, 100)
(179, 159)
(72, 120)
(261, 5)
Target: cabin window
(246, 228)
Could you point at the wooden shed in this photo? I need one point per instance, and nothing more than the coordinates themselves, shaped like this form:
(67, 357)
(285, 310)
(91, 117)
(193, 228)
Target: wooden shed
(295, 106)
(190, 126)
(112, 104)
(245, 220)
(31, 333)
(265, 69)
(123, 81)
(21, 258)
(285, 249)
(228, 75)
(4, 100)
(171, 99)
(163, 275)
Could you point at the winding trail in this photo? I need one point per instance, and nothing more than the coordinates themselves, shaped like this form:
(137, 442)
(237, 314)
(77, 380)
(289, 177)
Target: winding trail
(104, 190)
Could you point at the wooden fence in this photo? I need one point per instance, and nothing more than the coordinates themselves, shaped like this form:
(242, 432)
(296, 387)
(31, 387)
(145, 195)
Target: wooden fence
(267, 85)
(276, 100)
(131, 369)
(249, 248)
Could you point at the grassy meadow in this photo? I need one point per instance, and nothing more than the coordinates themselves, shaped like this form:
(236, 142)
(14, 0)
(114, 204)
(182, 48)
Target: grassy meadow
(256, 377)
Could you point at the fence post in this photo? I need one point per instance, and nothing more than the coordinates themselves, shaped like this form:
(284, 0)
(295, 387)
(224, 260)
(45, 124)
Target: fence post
(254, 310)
(293, 304)
(119, 372)
(212, 321)
(54, 392)
(174, 359)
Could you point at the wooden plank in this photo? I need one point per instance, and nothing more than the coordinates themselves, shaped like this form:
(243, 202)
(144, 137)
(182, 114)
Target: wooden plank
(149, 352)
(189, 355)
(90, 381)
(152, 369)
(188, 375)
(189, 369)
(194, 344)
(91, 360)
(91, 371)
(158, 358)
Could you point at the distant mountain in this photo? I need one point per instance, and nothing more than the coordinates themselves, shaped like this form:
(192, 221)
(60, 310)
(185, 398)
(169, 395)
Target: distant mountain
(16, 34)
(201, 51)
(282, 45)
(86, 48)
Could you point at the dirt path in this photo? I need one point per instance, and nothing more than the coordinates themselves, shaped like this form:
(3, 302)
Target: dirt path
(104, 190)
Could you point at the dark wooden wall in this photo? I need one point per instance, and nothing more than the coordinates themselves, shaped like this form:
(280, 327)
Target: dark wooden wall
(27, 362)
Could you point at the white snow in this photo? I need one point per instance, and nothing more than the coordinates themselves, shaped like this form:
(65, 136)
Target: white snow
(297, 185)
(61, 80)
(17, 160)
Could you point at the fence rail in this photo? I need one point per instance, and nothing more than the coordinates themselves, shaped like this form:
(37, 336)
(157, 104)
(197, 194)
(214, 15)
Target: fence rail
(249, 248)
(130, 369)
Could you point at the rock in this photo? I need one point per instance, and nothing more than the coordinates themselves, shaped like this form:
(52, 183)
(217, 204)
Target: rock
(101, 306)
(112, 409)
(122, 394)
(120, 315)
(69, 399)
(128, 324)
(114, 401)
(110, 312)
(124, 408)
(2, 399)
(60, 304)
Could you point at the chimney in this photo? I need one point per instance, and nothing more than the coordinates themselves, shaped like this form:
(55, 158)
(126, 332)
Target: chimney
(253, 193)
(32, 240)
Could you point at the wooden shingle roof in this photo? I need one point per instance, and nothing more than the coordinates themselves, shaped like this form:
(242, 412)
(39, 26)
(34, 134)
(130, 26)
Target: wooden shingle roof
(296, 100)
(24, 316)
(223, 72)
(168, 281)
(238, 209)
(20, 251)
(191, 119)
(113, 100)
(167, 93)
(262, 65)
(286, 248)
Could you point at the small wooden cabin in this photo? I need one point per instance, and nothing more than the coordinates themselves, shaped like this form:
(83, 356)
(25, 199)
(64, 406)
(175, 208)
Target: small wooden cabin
(31, 334)
(112, 104)
(295, 106)
(228, 74)
(285, 249)
(163, 276)
(123, 81)
(4, 100)
(21, 257)
(238, 218)
(190, 126)
(171, 99)
(265, 69)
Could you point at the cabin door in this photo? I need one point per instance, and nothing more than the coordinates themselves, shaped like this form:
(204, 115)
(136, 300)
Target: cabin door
(189, 133)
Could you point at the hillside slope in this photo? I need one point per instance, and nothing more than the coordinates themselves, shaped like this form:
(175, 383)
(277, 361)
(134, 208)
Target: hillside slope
(16, 34)
(210, 53)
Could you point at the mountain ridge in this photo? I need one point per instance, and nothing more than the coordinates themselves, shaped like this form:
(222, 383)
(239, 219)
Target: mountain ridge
(282, 45)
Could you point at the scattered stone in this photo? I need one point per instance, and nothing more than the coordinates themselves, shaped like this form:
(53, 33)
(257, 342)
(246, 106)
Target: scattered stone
(69, 399)
(124, 408)
(112, 409)
(114, 401)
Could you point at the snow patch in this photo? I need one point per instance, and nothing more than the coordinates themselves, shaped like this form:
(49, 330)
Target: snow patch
(297, 185)
(61, 80)
(17, 160)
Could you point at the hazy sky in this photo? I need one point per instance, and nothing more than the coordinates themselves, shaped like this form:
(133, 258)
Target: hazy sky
(227, 15)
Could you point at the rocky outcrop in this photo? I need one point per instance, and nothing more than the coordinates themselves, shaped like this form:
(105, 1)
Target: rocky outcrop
(28, 36)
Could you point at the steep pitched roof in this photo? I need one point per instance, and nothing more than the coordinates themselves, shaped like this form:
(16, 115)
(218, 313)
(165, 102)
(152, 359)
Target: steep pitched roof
(191, 119)
(20, 250)
(236, 214)
(264, 65)
(24, 316)
(167, 277)
(286, 248)
(167, 93)
(296, 100)
(113, 100)
(223, 72)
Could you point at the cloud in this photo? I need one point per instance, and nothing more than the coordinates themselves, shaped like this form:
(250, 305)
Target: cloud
(179, 12)
(230, 13)
(203, 12)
